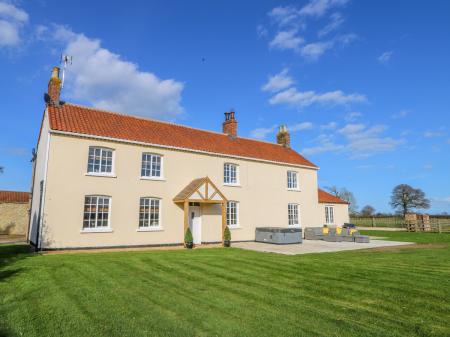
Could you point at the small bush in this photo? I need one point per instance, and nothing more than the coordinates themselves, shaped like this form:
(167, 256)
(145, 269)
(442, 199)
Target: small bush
(227, 234)
(188, 236)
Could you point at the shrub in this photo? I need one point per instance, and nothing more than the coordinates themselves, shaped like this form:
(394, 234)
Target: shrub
(188, 236)
(227, 234)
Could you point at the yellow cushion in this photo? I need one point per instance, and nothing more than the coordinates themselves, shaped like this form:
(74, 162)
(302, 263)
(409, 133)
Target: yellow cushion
(325, 230)
(338, 230)
(352, 231)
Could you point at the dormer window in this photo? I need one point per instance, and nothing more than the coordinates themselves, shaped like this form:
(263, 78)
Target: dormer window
(230, 174)
(100, 161)
(292, 180)
(152, 166)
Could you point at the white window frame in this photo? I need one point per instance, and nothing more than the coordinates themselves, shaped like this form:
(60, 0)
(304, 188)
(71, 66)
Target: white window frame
(329, 214)
(113, 160)
(236, 225)
(289, 180)
(97, 229)
(150, 177)
(237, 182)
(295, 210)
(150, 228)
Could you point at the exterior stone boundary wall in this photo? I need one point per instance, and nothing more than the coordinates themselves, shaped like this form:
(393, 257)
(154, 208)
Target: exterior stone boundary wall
(13, 218)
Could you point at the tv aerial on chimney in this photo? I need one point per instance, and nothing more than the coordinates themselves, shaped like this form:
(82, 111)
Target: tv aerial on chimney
(65, 61)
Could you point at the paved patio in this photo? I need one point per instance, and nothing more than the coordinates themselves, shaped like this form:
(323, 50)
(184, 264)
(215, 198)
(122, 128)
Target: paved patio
(315, 246)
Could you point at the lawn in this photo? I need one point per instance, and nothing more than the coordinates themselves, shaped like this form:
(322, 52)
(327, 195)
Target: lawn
(229, 292)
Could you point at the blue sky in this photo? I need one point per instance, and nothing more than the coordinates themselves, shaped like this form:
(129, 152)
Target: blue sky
(364, 86)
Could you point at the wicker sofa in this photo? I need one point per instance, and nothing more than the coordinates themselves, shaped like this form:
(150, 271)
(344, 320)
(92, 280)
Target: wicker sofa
(335, 234)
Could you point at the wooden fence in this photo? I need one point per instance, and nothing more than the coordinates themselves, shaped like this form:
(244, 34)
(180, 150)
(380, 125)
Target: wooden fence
(437, 224)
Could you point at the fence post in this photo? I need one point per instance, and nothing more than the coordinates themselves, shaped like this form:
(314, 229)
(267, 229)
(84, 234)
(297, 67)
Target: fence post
(439, 226)
(373, 221)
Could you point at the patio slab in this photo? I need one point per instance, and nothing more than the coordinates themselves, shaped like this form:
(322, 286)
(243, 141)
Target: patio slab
(315, 246)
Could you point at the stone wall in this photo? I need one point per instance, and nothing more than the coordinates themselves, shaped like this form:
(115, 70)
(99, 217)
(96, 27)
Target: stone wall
(14, 218)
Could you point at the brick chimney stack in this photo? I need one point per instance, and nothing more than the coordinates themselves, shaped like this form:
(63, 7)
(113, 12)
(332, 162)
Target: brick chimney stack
(230, 125)
(283, 136)
(54, 88)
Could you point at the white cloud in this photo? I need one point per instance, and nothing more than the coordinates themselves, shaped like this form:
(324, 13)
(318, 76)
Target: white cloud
(433, 134)
(300, 126)
(104, 79)
(318, 8)
(355, 140)
(313, 51)
(12, 20)
(329, 126)
(278, 82)
(261, 133)
(336, 20)
(285, 40)
(352, 116)
(261, 31)
(284, 15)
(294, 98)
(385, 57)
(400, 114)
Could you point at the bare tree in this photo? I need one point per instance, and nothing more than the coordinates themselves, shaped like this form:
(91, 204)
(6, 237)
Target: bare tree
(346, 195)
(405, 198)
(367, 210)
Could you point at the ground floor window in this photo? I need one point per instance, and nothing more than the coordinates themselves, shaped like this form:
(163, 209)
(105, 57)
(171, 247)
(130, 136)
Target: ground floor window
(149, 213)
(232, 213)
(96, 211)
(329, 214)
(293, 214)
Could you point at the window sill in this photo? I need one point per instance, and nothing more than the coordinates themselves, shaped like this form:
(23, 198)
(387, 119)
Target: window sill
(232, 185)
(294, 189)
(96, 230)
(154, 229)
(235, 227)
(153, 178)
(294, 226)
(112, 175)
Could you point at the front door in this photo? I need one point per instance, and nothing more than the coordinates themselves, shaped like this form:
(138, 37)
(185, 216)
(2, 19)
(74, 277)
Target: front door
(195, 224)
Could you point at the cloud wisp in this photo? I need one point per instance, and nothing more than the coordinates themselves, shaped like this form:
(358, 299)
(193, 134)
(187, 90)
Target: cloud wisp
(278, 82)
(385, 57)
(356, 141)
(291, 23)
(299, 99)
(262, 133)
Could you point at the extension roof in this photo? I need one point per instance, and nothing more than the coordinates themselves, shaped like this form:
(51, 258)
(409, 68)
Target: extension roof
(327, 198)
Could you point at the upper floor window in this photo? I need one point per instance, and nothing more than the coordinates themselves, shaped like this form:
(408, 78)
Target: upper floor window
(151, 165)
(96, 212)
(292, 180)
(230, 174)
(149, 213)
(100, 160)
(232, 213)
(293, 215)
(329, 214)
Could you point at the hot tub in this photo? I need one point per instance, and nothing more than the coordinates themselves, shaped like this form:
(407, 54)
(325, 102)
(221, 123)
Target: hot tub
(278, 235)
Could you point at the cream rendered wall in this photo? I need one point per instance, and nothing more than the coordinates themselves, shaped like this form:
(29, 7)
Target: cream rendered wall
(39, 175)
(340, 213)
(262, 195)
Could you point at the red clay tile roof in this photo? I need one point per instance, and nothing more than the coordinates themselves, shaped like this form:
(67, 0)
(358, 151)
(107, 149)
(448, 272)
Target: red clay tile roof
(327, 198)
(14, 197)
(89, 121)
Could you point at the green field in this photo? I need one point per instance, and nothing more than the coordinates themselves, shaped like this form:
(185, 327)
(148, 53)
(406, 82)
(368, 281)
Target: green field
(229, 292)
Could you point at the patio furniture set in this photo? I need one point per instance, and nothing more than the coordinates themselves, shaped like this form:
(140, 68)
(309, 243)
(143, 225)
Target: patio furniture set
(335, 234)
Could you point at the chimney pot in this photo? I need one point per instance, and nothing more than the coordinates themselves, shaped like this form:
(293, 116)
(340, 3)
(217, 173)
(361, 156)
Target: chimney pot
(229, 126)
(283, 136)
